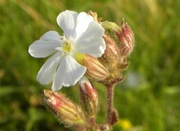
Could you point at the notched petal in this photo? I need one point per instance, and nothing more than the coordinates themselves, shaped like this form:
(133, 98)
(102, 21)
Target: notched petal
(46, 45)
(67, 21)
(47, 71)
(82, 23)
(51, 36)
(91, 41)
(41, 49)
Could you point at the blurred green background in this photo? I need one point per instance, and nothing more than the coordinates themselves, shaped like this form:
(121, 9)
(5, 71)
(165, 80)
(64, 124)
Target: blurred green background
(149, 98)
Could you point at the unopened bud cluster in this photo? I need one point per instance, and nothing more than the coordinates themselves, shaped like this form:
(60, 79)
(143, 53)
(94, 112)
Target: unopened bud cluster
(119, 45)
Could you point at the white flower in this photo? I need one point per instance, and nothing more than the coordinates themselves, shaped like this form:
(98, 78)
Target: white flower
(82, 35)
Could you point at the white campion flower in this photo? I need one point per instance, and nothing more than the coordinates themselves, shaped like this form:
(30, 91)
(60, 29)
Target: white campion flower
(82, 35)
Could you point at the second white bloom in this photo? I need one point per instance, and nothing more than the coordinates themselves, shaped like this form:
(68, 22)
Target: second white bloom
(82, 35)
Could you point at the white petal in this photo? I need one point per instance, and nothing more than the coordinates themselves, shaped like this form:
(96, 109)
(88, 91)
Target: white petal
(46, 45)
(47, 71)
(67, 21)
(82, 23)
(91, 41)
(51, 36)
(69, 72)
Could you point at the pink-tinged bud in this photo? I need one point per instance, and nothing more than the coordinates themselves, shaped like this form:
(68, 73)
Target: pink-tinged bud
(126, 37)
(64, 109)
(94, 68)
(89, 99)
(112, 53)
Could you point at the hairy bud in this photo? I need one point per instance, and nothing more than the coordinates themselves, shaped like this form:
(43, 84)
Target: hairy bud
(89, 99)
(94, 68)
(64, 109)
(126, 37)
(112, 53)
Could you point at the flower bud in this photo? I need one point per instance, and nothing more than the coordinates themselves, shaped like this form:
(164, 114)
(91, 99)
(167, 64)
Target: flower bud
(64, 109)
(126, 37)
(89, 99)
(112, 53)
(94, 68)
(110, 26)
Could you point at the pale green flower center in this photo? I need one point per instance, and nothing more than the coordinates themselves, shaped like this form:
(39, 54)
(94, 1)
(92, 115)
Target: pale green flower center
(66, 47)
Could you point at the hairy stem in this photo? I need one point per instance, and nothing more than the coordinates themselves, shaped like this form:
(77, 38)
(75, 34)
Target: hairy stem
(80, 128)
(110, 96)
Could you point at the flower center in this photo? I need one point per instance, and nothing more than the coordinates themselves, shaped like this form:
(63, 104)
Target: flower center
(67, 47)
